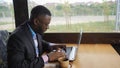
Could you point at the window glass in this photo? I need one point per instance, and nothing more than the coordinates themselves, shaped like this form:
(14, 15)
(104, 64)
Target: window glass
(7, 21)
(74, 15)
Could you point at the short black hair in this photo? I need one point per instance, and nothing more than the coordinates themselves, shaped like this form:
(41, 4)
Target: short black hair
(39, 10)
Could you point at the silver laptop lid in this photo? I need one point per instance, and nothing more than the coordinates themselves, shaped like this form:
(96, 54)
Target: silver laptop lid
(73, 52)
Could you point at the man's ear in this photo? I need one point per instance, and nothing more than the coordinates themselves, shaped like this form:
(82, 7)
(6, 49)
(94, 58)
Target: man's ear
(36, 22)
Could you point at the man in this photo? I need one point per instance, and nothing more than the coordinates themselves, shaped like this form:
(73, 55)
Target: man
(25, 46)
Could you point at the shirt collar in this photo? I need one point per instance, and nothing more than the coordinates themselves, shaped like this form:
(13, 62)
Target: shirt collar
(31, 30)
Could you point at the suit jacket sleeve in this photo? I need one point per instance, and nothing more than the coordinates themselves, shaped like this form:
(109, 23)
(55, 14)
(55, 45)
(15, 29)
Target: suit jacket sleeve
(46, 46)
(16, 55)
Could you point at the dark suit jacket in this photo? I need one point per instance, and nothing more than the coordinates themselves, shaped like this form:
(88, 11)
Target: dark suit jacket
(21, 50)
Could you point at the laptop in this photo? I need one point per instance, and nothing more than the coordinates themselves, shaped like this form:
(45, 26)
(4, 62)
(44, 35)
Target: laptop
(72, 51)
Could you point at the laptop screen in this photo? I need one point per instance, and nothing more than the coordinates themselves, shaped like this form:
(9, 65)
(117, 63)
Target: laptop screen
(80, 37)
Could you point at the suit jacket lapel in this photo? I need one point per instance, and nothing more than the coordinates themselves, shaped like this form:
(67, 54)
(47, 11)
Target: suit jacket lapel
(29, 35)
(39, 38)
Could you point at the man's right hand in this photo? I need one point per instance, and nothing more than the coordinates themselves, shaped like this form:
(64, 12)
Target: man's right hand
(53, 56)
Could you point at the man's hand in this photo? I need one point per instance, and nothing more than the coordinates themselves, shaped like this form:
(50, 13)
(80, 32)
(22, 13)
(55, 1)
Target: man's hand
(53, 56)
(57, 46)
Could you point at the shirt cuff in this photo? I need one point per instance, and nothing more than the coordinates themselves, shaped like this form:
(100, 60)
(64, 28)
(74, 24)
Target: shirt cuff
(45, 58)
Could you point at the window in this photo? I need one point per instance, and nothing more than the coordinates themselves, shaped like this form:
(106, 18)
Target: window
(74, 15)
(6, 15)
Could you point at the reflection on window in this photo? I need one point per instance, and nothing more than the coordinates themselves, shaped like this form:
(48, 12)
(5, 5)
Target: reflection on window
(6, 15)
(72, 15)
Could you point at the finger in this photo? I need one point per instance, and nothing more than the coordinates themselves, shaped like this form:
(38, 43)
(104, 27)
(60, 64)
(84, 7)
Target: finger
(61, 55)
(58, 55)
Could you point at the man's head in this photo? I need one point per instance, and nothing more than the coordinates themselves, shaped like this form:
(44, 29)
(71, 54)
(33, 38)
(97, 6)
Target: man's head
(40, 19)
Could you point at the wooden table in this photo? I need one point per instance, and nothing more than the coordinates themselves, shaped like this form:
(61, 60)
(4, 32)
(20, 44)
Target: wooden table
(96, 56)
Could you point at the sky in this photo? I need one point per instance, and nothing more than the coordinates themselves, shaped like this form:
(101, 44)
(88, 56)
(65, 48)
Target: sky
(58, 1)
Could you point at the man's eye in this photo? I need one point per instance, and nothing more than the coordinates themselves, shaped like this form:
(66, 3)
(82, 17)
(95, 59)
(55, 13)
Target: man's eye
(46, 24)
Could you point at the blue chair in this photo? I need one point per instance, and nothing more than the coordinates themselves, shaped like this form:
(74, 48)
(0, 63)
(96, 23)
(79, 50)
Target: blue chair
(4, 35)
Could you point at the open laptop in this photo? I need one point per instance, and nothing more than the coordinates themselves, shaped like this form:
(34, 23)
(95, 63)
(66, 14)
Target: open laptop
(72, 51)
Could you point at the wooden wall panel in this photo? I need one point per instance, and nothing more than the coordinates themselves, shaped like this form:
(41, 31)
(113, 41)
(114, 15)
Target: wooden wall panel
(89, 38)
